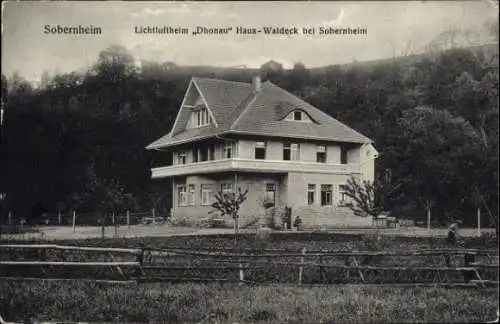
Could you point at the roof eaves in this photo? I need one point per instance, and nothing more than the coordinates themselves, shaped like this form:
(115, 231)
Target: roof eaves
(330, 139)
(182, 105)
(175, 143)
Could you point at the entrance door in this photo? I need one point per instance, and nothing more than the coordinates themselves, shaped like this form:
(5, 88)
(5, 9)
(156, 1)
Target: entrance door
(270, 199)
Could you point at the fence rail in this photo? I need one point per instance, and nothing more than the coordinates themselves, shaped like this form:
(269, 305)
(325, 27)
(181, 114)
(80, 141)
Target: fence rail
(251, 267)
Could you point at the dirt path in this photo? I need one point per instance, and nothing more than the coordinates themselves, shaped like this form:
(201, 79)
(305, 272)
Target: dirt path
(66, 232)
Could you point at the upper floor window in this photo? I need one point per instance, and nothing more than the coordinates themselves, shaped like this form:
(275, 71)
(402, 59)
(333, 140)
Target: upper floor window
(181, 158)
(227, 150)
(260, 150)
(343, 155)
(211, 152)
(195, 154)
(291, 152)
(204, 154)
(321, 153)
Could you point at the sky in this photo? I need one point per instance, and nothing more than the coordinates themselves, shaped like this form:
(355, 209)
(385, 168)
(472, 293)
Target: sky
(392, 28)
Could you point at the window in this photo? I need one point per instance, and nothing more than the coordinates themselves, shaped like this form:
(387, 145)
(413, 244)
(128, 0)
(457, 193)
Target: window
(298, 115)
(211, 152)
(182, 196)
(260, 150)
(343, 155)
(311, 193)
(191, 194)
(270, 197)
(181, 158)
(228, 150)
(326, 194)
(291, 152)
(195, 155)
(226, 188)
(206, 194)
(204, 154)
(201, 117)
(321, 153)
(344, 199)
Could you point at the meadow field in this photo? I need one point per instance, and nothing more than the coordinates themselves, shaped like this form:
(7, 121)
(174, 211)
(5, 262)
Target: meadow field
(196, 303)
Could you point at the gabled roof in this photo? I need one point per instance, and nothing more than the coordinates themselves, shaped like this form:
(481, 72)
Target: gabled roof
(238, 109)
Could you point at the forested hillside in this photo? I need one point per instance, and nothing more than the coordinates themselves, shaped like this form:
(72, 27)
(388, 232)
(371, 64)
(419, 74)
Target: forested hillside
(77, 140)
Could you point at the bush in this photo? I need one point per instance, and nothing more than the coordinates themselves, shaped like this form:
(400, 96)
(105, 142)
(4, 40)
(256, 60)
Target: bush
(253, 221)
(181, 222)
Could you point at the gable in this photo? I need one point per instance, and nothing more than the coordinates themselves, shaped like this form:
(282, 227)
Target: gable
(194, 111)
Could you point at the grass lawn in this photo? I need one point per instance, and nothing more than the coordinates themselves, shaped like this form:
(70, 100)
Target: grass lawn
(84, 301)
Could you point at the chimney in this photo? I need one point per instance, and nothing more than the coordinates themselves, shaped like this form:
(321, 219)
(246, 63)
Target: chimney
(256, 85)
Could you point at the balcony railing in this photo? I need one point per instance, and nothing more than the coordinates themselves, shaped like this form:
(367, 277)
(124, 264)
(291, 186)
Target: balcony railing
(268, 166)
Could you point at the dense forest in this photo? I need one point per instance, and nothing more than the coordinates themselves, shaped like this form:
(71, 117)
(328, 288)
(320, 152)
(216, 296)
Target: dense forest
(76, 141)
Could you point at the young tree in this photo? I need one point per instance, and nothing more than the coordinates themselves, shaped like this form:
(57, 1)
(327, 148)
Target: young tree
(369, 198)
(229, 204)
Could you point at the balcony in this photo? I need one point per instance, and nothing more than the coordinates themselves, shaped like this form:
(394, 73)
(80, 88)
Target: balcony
(248, 165)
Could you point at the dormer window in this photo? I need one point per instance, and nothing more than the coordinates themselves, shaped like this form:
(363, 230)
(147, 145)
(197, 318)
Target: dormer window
(202, 117)
(298, 115)
(199, 117)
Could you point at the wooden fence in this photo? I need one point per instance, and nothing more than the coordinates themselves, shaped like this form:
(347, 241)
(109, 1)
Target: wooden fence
(449, 267)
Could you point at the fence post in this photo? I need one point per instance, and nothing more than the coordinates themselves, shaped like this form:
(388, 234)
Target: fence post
(115, 225)
(301, 268)
(74, 221)
(242, 275)
(128, 218)
(348, 271)
(321, 269)
(59, 217)
(103, 219)
(154, 216)
(478, 221)
(140, 259)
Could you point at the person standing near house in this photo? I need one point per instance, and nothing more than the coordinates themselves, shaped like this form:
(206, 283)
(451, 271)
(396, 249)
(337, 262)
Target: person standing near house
(297, 223)
(453, 232)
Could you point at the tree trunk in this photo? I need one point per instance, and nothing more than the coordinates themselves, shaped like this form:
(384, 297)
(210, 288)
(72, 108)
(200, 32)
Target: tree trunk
(236, 227)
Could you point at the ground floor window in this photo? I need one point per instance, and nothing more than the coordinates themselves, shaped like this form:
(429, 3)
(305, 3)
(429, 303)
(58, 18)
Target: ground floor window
(182, 199)
(206, 194)
(343, 198)
(326, 194)
(226, 188)
(311, 192)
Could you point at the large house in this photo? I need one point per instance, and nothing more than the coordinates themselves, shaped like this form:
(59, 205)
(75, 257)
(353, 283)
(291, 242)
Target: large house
(257, 136)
